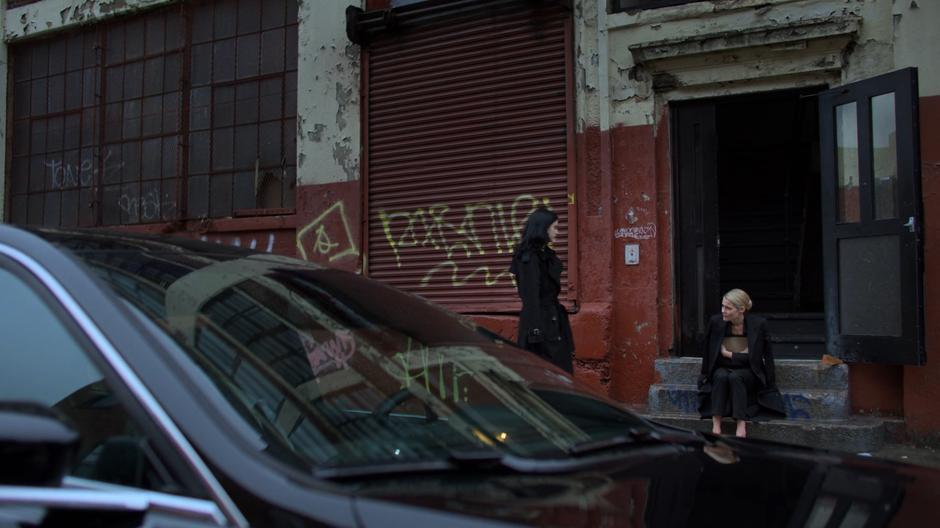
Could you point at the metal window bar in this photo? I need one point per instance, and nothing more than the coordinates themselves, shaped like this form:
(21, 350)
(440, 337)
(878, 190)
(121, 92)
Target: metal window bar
(101, 131)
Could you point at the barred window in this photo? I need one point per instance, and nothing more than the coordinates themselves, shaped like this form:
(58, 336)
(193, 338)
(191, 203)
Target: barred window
(180, 113)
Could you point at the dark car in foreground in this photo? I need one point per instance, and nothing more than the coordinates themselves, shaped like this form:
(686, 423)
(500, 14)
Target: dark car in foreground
(148, 381)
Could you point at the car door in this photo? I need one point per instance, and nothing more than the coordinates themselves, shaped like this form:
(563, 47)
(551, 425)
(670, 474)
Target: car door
(125, 462)
(871, 219)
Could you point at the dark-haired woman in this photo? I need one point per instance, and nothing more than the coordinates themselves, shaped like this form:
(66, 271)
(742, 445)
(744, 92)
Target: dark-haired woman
(543, 323)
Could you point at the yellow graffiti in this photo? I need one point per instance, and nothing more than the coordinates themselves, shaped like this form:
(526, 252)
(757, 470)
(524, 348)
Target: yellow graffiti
(570, 198)
(484, 227)
(489, 279)
(323, 244)
(429, 228)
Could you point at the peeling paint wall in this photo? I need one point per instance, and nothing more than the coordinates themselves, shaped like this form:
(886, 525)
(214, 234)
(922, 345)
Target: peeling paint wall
(328, 102)
(707, 49)
(916, 27)
(586, 62)
(325, 224)
(757, 45)
(629, 66)
(54, 15)
(328, 122)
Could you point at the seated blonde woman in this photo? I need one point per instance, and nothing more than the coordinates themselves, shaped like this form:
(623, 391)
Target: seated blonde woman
(737, 378)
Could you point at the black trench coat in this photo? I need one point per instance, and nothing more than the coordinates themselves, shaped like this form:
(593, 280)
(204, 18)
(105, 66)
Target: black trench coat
(769, 402)
(543, 321)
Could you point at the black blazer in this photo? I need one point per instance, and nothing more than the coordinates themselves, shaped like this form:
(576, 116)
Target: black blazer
(543, 321)
(761, 359)
(759, 352)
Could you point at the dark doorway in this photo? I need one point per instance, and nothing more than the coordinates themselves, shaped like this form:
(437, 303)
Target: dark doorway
(748, 183)
(768, 201)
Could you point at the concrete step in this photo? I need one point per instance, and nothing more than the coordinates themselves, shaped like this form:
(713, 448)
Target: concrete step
(797, 350)
(795, 323)
(854, 435)
(791, 373)
(800, 404)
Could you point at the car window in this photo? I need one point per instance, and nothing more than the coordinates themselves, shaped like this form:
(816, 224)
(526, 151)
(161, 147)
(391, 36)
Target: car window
(44, 362)
(333, 370)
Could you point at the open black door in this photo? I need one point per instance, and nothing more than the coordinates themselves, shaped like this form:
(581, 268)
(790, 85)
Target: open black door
(871, 220)
(697, 216)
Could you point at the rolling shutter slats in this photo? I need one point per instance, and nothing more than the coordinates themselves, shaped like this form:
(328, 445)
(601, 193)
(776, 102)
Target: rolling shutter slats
(467, 125)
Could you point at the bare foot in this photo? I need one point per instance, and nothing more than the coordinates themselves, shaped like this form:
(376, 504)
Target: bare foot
(716, 425)
(741, 431)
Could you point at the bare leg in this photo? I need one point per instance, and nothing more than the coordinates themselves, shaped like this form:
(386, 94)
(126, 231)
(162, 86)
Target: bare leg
(716, 425)
(741, 430)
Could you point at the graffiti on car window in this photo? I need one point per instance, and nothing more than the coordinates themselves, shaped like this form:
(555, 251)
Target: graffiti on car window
(333, 353)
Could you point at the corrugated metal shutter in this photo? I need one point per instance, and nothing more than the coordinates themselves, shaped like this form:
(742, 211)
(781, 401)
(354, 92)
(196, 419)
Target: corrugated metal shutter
(468, 130)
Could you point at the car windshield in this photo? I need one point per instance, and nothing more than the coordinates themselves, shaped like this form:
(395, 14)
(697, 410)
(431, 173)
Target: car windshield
(333, 370)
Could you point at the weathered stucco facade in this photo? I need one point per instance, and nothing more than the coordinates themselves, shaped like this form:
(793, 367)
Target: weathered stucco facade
(629, 70)
(633, 65)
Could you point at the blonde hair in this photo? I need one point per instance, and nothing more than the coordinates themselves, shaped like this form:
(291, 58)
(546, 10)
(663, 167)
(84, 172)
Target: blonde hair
(740, 299)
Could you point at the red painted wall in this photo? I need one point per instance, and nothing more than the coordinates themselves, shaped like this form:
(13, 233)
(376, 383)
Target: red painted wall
(666, 305)
(592, 324)
(635, 205)
(326, 227)
(876, 389)
(625, 313)
(922, 384)
(329, 224)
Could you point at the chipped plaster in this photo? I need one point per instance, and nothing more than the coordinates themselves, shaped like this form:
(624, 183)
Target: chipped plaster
(741, 46)
(55, 15)
(328, 75)
(586, 61)
(328, 102)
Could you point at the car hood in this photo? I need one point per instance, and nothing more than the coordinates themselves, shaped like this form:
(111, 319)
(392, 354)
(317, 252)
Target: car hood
(742, 483)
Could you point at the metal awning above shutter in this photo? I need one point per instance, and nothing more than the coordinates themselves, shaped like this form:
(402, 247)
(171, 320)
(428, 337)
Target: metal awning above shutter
(469, 129)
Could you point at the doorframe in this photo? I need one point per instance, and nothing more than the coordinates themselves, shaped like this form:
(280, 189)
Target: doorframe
(683, 346)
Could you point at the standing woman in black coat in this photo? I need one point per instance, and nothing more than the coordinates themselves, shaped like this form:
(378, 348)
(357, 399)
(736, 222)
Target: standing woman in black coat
(543, 323)
(738, 376)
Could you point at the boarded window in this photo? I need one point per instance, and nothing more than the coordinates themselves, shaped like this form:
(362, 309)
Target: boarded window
(184, 112)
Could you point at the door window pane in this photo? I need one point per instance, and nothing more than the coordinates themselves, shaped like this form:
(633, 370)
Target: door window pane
(42, 362)
(884, 155)
(847, 162)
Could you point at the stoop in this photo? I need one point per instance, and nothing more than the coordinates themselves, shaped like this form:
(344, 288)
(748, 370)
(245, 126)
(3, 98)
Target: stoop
(815, 395)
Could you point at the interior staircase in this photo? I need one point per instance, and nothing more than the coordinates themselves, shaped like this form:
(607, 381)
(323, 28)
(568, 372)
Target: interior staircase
(796, 335)
(815, 394)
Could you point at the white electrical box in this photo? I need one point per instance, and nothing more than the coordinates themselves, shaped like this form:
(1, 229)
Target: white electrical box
(631, 254)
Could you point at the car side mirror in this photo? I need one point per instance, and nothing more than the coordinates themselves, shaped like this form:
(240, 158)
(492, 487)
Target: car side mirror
(36, 447)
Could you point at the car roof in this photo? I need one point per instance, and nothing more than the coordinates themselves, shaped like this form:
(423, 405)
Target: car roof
(97, 239)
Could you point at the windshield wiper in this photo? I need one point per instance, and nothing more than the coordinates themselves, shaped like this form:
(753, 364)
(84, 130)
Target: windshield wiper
(634, 436)
(455, 460)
